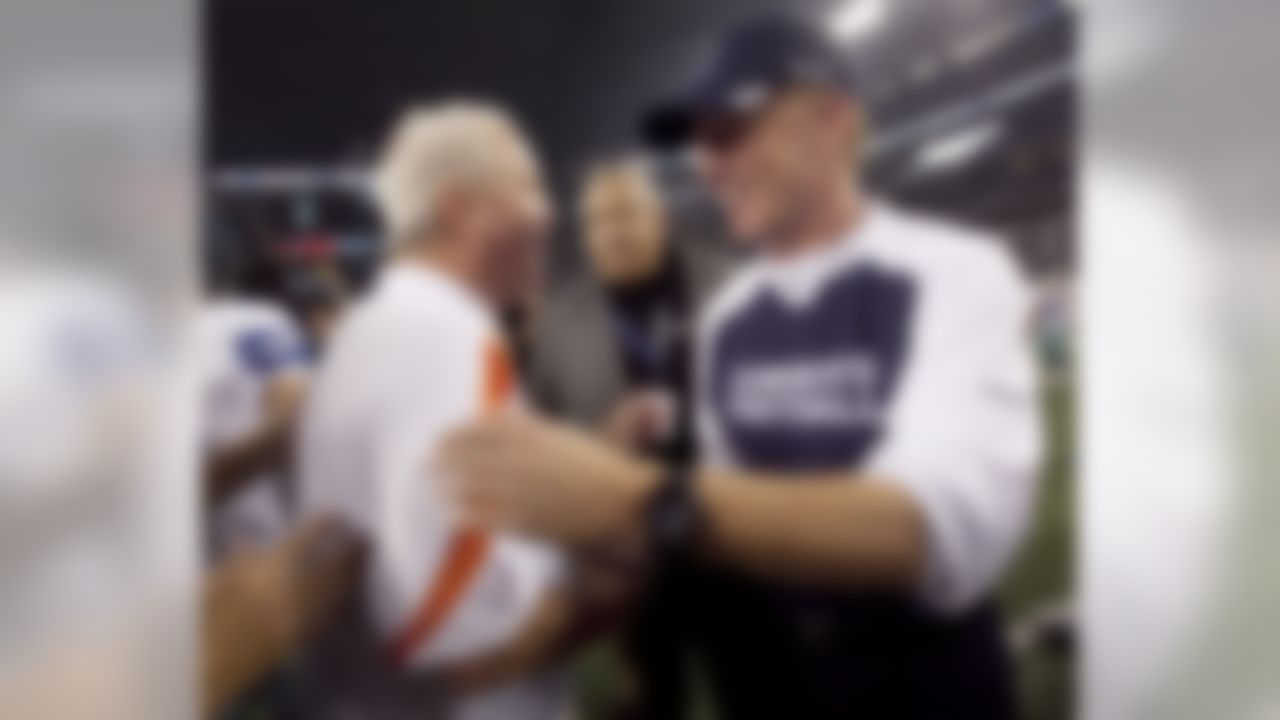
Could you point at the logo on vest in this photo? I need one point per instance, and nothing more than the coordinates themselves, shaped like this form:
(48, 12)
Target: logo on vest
(836, 392)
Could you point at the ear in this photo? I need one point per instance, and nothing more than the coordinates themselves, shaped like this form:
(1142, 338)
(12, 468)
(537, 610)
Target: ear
(848, 120)
(454, 210)
(445, 215)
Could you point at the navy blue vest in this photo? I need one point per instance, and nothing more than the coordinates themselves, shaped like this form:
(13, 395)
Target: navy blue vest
(804, 389)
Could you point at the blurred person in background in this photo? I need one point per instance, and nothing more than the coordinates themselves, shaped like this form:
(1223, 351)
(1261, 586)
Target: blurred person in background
(96, 581)
(318, 298)
(273, 582)
(612, 352)
(867, 414)
(611, 349)
(253, 373)
(79, 538)
(449, 615)
(262, 604)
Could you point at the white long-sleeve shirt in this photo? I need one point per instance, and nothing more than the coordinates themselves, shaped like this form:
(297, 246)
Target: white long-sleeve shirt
(412, 361)
(900, 350)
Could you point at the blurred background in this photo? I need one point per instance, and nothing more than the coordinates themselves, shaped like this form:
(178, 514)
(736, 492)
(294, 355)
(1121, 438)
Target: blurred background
(973, 102)
(974, 108)
(102, 104)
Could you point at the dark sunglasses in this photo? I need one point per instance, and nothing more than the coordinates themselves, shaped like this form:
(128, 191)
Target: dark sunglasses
(723, 133)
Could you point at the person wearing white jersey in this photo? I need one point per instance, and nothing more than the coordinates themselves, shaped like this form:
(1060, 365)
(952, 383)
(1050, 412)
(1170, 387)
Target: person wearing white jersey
(867, 407)
(92, 585)
(464, 207)
(253, 367)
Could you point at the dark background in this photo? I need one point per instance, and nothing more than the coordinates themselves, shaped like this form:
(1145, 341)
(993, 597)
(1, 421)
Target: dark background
(310, 86)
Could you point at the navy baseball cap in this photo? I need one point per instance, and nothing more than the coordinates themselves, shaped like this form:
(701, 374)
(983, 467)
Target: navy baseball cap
(747, 68)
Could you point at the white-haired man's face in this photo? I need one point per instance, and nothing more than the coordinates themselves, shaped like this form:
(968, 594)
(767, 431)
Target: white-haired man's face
(502, 221)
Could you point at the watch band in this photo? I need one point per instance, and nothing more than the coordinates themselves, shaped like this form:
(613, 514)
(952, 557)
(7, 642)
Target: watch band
(675, 515)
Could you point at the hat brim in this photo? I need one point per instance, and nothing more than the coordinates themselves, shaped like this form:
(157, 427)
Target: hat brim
(670, 124)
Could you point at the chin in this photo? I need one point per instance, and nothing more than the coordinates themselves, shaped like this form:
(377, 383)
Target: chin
(748, 229)
(747, 215)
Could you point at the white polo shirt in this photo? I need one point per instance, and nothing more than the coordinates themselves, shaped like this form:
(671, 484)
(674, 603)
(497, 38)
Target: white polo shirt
(901, 350)
(416, 358)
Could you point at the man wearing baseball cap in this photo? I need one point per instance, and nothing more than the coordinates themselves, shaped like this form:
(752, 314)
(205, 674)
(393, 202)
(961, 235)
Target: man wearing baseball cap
(867, 409)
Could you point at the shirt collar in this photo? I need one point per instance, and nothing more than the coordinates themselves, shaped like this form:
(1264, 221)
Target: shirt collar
(799, 278)
(424, 281)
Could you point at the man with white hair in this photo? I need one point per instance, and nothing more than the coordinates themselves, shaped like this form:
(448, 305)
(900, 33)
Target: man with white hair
(465, 211)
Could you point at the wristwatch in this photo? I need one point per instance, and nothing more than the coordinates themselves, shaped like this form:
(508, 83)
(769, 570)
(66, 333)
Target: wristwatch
(675, 516)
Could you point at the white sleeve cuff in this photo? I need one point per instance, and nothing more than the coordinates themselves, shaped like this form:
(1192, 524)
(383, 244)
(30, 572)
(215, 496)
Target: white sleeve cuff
(974, 515)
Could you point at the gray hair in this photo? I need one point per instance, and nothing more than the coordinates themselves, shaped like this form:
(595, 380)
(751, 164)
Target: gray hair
(432, 148)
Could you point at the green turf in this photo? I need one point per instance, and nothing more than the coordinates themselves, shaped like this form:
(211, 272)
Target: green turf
(1044, 570)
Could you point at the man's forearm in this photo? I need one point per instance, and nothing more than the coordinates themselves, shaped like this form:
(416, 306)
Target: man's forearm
(826, 529)
(260, 605)
(559, 483)
(230, 468)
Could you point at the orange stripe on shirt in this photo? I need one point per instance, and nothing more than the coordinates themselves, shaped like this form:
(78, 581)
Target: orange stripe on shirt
(499, 378)
(469, 547)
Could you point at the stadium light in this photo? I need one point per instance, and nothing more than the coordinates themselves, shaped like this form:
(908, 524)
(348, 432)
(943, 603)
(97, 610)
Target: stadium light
(856, 20)
(957, 148)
